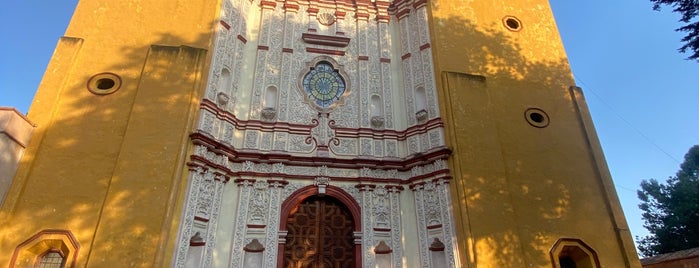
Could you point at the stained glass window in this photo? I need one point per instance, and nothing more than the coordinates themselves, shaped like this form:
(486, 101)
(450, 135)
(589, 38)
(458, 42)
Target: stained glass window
(323, 85)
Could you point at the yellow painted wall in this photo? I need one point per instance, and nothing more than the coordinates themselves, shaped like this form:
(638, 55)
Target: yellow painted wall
(518, 188)
(119, 198)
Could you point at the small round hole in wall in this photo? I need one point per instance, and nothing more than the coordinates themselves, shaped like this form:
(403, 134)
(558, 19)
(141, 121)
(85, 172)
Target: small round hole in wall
(104, 83)
(536, 117)
(512, 23)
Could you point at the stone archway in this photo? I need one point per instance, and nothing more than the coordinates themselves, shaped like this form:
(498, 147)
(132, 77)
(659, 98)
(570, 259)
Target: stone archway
(311, 222)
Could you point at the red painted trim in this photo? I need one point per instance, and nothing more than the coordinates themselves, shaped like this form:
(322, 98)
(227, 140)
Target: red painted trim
(419, 4)
(434, 226)
(242, 39)
(287, 50)
(402, 164)
(362, 16)
(312, 10)
(363, 58)
(197, 244)
(401, 14)
(325, 51)
(262, 47)
(385, 60)
(291, 7)
(271, 4)
(258, 226)
(197, 218)
(225, 25)
(382, 229)
(340, 14)
(325, 40)
(407, 55)
(383, 18)
(425, 46)
(388, 134)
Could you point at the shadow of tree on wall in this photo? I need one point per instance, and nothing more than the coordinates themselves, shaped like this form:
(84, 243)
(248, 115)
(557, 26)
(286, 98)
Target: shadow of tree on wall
(109, 168)
(518, 187)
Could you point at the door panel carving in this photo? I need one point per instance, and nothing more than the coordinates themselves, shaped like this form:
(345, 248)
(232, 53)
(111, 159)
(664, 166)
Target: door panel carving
(319, 235)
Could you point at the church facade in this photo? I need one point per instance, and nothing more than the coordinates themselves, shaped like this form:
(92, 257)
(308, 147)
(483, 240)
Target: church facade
(254, 133)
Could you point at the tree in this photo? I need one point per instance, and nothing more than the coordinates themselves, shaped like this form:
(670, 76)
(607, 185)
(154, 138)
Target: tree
(671, 209)
(688, 9)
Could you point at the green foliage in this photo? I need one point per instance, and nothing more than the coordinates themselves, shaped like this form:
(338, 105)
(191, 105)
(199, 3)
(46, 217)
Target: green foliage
(671, 209)
(688, 9)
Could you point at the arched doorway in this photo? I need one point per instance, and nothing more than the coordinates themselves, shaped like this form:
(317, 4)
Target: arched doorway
(320, 235)
(320, 230)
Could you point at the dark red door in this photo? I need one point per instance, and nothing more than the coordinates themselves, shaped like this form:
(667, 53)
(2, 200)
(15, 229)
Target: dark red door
(319, 235)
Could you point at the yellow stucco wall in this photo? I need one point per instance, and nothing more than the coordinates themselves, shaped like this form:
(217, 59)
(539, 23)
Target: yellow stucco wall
(519, 188)
(119, 199)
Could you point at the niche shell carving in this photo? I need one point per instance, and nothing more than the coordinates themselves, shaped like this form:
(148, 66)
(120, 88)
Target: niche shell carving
(326, 19)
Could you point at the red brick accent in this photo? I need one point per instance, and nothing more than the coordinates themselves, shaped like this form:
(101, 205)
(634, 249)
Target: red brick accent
(386, 60)
(262, 47)
(363, 58)
(425, 46)
(287, 50)
(407, 55)
(242, 39)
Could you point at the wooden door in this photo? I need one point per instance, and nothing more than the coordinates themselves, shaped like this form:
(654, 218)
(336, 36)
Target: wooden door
(319, 235)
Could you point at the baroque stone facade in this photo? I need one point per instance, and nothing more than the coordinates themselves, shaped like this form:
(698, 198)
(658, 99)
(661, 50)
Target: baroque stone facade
(264, 135)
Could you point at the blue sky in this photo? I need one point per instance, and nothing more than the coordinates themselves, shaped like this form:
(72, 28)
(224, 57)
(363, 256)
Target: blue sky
(642, 93)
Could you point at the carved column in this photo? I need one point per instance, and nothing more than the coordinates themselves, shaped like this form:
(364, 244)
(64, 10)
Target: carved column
(245, 187)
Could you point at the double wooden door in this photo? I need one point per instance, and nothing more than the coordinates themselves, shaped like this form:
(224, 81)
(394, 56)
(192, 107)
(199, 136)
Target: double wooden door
(319, 235)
